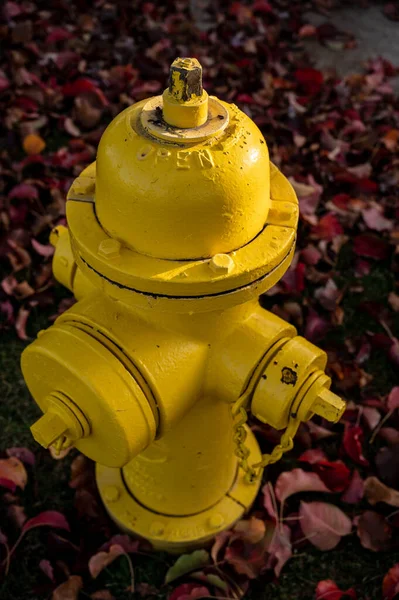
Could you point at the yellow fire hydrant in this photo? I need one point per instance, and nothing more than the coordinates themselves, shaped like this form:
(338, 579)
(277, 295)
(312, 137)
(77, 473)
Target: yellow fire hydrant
(173, 234)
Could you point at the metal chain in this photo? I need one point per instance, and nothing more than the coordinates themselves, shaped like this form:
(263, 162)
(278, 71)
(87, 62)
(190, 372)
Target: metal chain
(253, 472)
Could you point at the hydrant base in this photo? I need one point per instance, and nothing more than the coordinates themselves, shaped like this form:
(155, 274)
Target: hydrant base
(177, 534)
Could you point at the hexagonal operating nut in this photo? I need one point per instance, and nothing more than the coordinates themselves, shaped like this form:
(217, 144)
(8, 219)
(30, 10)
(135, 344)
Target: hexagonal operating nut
(185, 79)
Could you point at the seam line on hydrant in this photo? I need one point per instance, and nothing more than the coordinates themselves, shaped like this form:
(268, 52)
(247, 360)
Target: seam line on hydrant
(153, 295)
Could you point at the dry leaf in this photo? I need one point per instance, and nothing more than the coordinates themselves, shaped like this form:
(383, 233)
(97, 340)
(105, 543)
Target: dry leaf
(251, 530)
(373, 531)
(376, 491)
(323, 524)
(99, 561)
(33, 144)
(12, 469)
(69, 590)
(298, 480)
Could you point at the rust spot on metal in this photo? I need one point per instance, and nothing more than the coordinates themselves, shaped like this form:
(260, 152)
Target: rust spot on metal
(190, 77)
(288, 376)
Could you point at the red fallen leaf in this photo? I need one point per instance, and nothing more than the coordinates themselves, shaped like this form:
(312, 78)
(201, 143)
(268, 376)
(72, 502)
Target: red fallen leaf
(335, 474)
(294, 279)
(24, 191)
(328, 590)
(99, 561)
(298, 480)
(390, 584)
(189, 591)
(328, 295)
(246, 559)
(43, 249)
(280, 548)
(318, 432)
(6, 309)
(8, 484)
(316, 327)
(341, 200)
(312, 456)
(373, 531)
(311, 255)
(13, 470)
(352, 444)
(355, 491)
(26, 104)
(220, 542)
(310, 79)
(371, 416)
(370, 246)
(58, 34)
(323, 524)
(20, 323)
(245, 99)
(244, 63)
(390, 435)
(309, 194)
(145, 88)
(393, 399)
(268, 503)
(69, 590)
(363, 184)
(4, 82)
(48, 518)
(23, 454)
(327, 228)
(374, 219)
(262, 6)
(45, 566)
(79, 86)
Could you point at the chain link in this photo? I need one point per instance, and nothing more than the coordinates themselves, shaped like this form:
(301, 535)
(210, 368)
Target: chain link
(253, 472)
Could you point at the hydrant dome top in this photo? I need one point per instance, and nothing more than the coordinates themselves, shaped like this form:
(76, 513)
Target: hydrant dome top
(183, 175)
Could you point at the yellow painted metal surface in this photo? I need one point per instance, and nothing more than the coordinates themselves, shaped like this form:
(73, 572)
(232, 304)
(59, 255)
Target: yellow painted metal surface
(172, 235)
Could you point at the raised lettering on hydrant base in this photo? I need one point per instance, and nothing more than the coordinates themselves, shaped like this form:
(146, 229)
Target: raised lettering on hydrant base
(173, 234)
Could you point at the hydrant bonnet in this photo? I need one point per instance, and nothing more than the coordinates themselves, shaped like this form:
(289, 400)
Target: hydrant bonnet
(188, 172)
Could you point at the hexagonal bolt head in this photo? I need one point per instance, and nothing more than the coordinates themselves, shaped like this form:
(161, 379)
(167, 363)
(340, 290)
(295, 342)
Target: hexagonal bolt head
(185, 79)
(109, 248)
